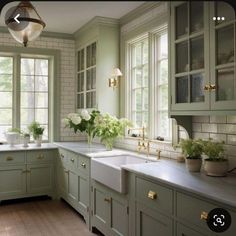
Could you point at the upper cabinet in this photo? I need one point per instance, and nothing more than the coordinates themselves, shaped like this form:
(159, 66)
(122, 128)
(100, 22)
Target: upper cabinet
(202, 58)
(97, 54)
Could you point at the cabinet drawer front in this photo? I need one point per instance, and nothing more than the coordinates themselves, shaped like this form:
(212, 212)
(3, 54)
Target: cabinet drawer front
(83, 164)
(40, 156)
(63, 156)
(189, 209)
(72, 160)
(8, 158)
(154, 195)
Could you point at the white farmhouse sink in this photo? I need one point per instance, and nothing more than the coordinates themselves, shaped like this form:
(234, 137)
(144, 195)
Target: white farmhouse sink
(108, 170)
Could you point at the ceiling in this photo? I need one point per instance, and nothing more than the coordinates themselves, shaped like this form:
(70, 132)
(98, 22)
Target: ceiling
(67, 17)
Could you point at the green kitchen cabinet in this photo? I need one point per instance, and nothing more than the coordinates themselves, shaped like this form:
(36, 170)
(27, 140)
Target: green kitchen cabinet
(110, 211)
(62, 181)
(27, 173)
(186, 231)
(12, 181)
(97, 55)
(202, 74)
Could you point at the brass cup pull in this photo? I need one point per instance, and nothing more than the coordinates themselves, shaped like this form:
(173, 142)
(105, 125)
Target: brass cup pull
(9, 158)
(204, 215)
(207, 87)
(213, 87)
(107, 200)
(152, 195)
(40, 157)
(72, 160)
(83, 165)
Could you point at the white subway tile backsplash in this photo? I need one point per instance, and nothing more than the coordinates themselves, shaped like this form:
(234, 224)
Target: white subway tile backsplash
(218, 119)
(227, 128)
(210, 128)
(201, 119)
(219, 137)
(197, 127)
(231, 119)
(231, 139)
(198, 135)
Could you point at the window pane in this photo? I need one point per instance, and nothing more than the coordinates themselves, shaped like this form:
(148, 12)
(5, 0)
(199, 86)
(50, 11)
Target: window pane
(6, 65)
(145, 52)
(5, 82)
(163, 97)
(164, 46)
(138, 54)
(27, 116)
(5, 116)
(145, 99)
(138, 119)
(27, 83)
(145, 75)
(27, 100)
(41, 67)
(3, 129)
(163, 72)
(41, 83)
(41, 100)
(6, 99)
(163, 124)
(41, 115)
(137, 78)
(27, 66)
(138, 99)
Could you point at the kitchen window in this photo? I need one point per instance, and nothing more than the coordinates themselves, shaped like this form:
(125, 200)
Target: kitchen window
(24, 92)
(147, 83)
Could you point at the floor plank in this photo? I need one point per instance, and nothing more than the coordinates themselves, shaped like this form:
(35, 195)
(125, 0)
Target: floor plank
(41, 218)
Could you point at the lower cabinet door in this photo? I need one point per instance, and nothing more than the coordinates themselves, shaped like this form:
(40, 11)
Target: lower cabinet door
(40, 178)
(149, 222)
(185, 231)
(62, 181)
(83, 193)
(72, 187)
(101, 209)
(12, 181)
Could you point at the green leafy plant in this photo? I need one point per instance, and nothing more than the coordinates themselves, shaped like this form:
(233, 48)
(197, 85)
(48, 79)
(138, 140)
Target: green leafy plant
(14, 130)
(83, 121)
(192, 149)
(109, 127)
(36, 129)
(214, 150)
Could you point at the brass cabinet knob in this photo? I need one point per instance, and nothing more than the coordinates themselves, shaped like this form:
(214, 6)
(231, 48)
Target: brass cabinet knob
(204, 215)
(107, 200)
(40, 157)
(72, 160)
(152, 195)
(9, 158)
(62, 156)
(207, 87)
(83, 165)
(212, 87)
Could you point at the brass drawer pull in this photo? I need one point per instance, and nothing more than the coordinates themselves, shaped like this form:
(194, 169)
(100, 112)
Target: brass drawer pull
(207, 87)
(152, 195)
(9, 158)
(73, 160)
(107, 200)
(83, 165)
(40, 157)
(62, 156)
(212, 87)
(204, 215)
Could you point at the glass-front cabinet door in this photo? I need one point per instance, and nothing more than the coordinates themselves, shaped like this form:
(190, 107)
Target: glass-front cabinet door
(190, 60)
(223, 68)
(86, 77)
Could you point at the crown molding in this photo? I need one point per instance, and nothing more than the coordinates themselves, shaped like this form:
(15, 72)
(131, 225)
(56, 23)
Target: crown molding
(96, 21)
(142, 9)
(47, 34)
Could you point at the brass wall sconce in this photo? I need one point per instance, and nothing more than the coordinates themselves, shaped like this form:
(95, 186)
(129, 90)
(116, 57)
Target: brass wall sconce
(114, 80)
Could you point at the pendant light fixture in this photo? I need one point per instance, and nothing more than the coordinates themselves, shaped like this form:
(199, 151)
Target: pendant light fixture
(24, 22)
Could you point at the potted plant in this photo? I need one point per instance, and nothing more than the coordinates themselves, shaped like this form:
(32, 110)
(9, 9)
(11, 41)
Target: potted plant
(37, 132)
(83, 121)
(109, 127)
(192, 150)
(26, 138)
(216, 164)
(12, 136)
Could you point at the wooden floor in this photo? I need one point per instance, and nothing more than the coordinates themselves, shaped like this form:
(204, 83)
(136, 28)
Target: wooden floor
(41, 217)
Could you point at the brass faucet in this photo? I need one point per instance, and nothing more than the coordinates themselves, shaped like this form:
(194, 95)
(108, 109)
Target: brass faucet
(142, 143)
(158, 154)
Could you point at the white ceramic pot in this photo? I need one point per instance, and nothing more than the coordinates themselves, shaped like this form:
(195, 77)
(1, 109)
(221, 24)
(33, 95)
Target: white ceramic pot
(193, 165)
(216, 168)
(12, 138)
(38, 141)
(26, 140)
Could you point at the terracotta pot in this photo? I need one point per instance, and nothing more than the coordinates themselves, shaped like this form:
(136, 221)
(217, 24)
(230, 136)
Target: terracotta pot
(193, 165)
(216, 168)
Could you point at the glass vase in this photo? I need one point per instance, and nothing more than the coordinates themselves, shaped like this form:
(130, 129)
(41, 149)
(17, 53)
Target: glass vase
(89, 139)
(108, 143)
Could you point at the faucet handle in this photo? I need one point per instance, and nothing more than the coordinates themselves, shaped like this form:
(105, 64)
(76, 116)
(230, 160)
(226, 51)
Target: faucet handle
(158, 154)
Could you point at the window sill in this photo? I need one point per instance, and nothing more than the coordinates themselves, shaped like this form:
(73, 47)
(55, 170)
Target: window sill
(168, 142)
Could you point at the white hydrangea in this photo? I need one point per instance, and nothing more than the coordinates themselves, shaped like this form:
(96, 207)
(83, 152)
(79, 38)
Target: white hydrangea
(71, 115)
(84, 113)
(87, 117)
(76, 119)
(65, 121)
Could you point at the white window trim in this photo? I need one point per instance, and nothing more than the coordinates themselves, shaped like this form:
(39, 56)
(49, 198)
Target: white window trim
(152, 85)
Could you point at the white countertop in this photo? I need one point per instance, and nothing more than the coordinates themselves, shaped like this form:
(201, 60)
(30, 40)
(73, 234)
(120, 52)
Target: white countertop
(32, 146)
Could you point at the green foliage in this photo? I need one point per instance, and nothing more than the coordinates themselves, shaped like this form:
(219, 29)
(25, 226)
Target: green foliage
(109, 127)
(214, 150)
(15, 130)
(35, 129)
(192, 149)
